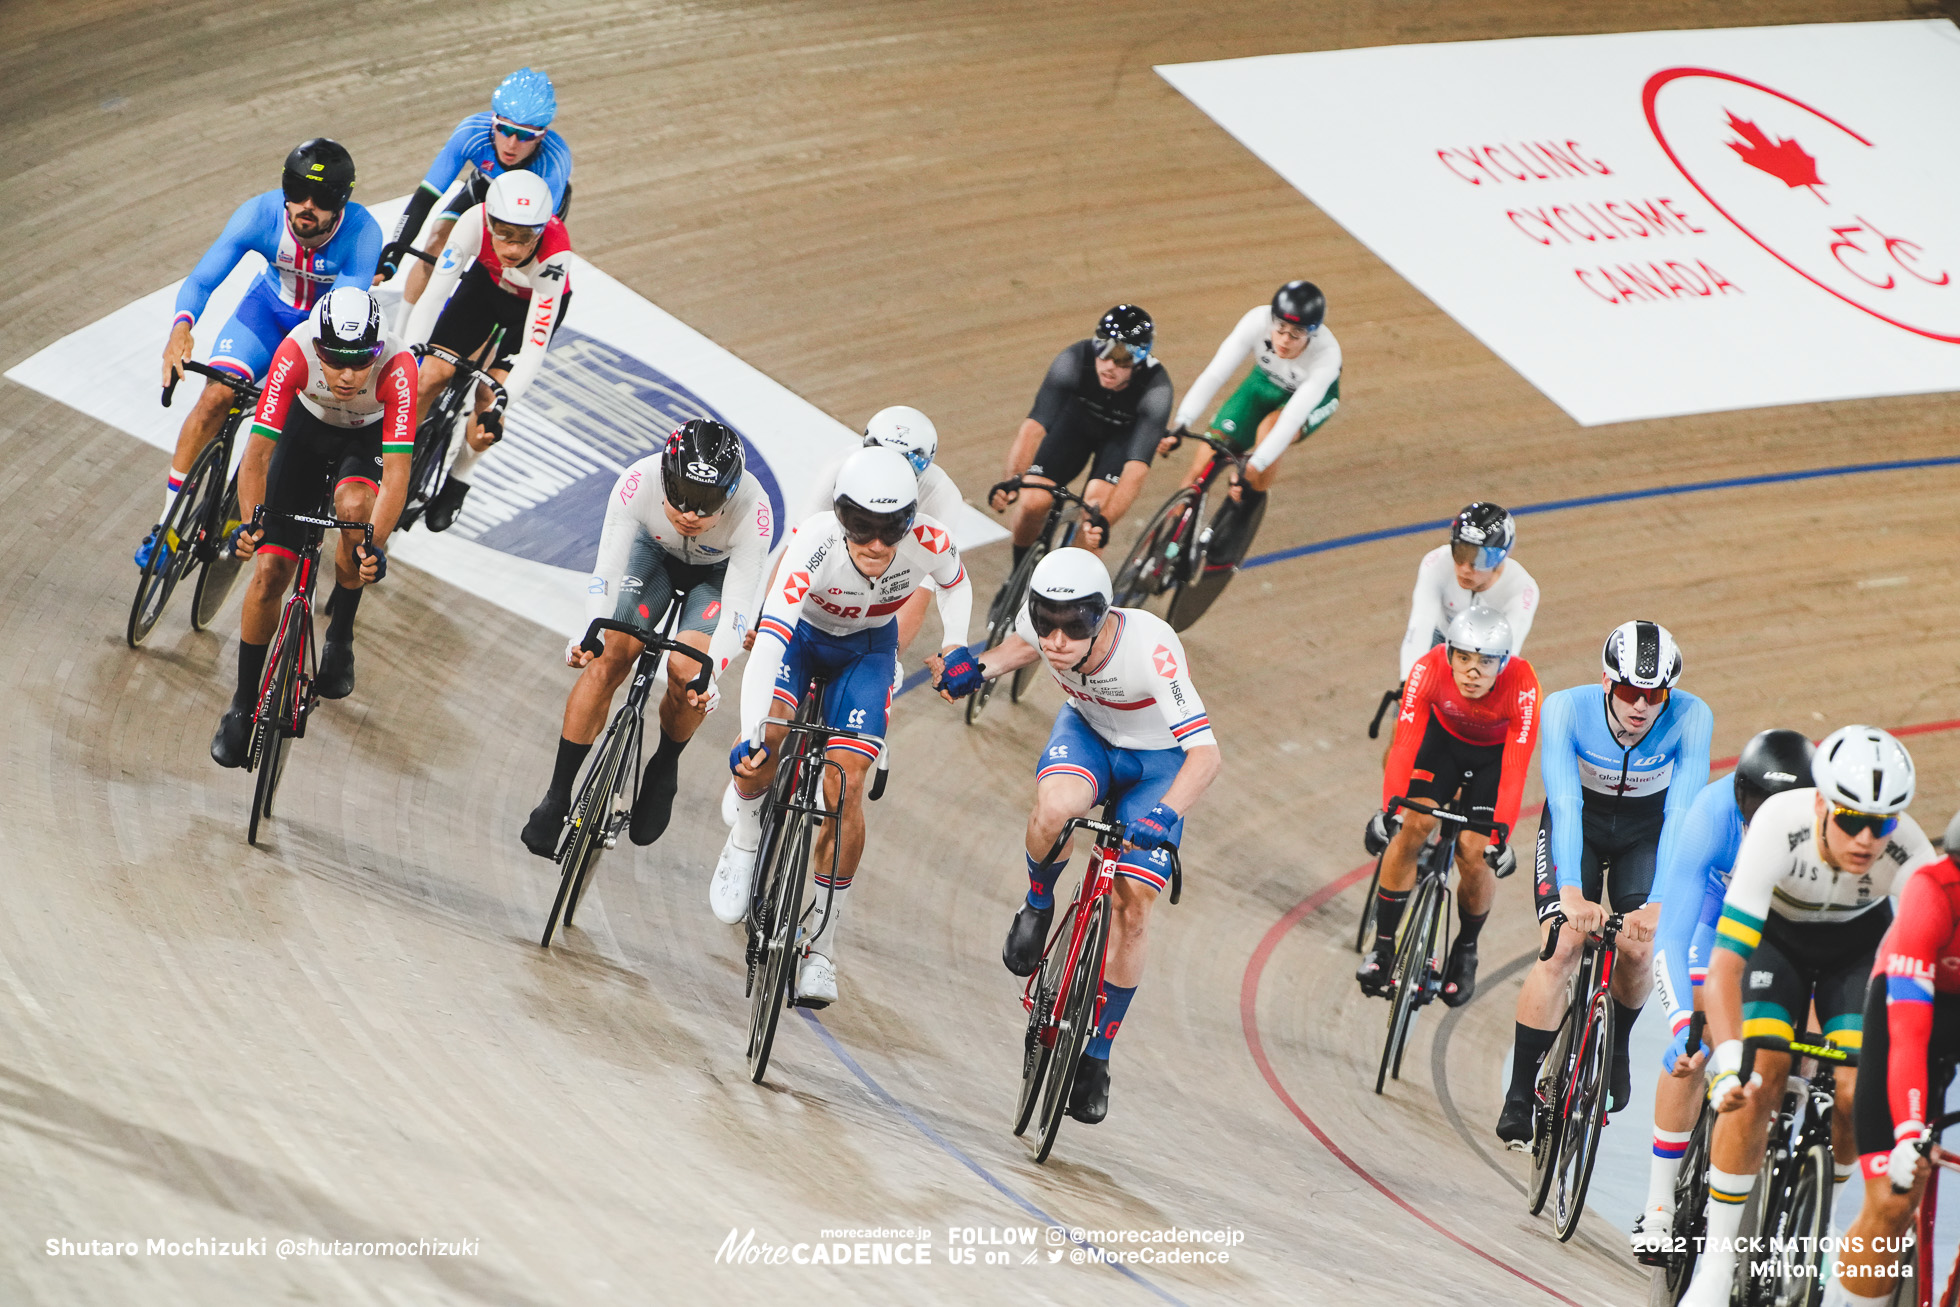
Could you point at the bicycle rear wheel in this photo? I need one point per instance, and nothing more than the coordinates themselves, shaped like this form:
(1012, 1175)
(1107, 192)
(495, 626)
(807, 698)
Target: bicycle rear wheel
(1548, 1111)
(1157, 561)
(1365, 931)
(1078, 1024)
(1411, 973)
(432, 437)
(1797, 1211)
(785, 919)
(1585, 1115)
(219, 572)
(1037, 1053)
(158, 579)
(271, 737)
(1690, 1208)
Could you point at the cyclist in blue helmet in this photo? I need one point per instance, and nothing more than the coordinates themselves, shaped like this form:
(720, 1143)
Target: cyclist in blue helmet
(515, 134)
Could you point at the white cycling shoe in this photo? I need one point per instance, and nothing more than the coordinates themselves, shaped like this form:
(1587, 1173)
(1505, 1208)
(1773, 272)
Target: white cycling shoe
(728, 893)
(816, 981)
(1652, 1230)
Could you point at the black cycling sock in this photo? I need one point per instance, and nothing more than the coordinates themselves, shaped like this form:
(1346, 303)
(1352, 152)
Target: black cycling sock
(1623, 1019)
(1388, 915)
(668, 753)
(251, 671)
(1020, 552)
(1468, 927)
(1532, 1045)
(570, 757)
(346, 602)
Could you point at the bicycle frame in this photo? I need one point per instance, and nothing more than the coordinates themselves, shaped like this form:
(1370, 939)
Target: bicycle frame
(296, 616)
(1924, 1273)
(1579, 1039)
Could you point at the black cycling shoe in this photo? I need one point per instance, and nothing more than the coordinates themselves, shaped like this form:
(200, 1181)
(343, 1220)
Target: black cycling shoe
(1622, 1082)
(547, 820)
(1377, 969)
(336, 676)
(654, 807)
(1514, 1122)
(1025, 938)
(1088, 1101)
(232, 745)
(1460, 974)
(441, 513)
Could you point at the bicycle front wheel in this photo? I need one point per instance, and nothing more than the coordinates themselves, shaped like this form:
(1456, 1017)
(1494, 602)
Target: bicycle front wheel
(583, 842)
(1548, 1111)
(219, 572)
(159, 577)
(782, 921)
(1157, 563)
(1078, 1023)
(1044, 1026)
(1690, 1208)
(271, 736)
(1365, 931)
(1796, 1218)
(617, 806)
(1411, 974)
(1585, 1114)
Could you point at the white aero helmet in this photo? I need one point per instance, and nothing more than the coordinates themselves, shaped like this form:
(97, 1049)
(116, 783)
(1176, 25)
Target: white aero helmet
(1481, 630)
(1070, 591)
(519, 197)
(1864, 769)
(1643, 655)
(877, 495)
(906, 430)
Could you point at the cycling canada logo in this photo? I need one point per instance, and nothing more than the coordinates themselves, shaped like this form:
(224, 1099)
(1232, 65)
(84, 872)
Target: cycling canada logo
(1832, 200)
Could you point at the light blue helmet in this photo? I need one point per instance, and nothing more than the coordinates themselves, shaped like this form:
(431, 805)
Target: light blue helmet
(525, 97)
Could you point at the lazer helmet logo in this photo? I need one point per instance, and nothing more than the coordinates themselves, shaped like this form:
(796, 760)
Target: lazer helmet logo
(697, 470)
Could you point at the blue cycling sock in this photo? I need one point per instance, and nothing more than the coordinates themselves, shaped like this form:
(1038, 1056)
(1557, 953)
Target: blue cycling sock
(1040, 888)
(1116, 1002)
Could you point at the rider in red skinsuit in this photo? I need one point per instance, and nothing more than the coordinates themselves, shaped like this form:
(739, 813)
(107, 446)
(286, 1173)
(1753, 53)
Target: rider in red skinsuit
(1508, 715)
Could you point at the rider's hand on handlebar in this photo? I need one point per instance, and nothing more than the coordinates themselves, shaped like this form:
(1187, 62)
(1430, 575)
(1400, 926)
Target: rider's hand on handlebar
(1907, 1160)
(998, 499)
(1581, 913)
(1501, 859)
(706, 700)
(245, 541)
(744, 764)
(1171, 440)
(576, 654)
(1380, 830)
(374, 563)
(175, 351)
(1152, 830)
(1638, 926)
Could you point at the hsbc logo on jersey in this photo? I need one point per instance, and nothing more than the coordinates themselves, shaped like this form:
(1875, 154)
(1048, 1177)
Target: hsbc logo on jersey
(796, 587)
(933, 538)
(1164, 661)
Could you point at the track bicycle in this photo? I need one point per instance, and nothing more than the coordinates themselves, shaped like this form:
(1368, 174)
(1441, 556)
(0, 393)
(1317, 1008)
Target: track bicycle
(1170, 571)
(1067, 511)
(1574, 1080)
(1063, 997)
(1675, 1265)
(792, 814)
(196, 530)
(605, 798)
(1796, 1185)
(451, 409)
(1417, 975)
(288, 694)
(1922, 1278)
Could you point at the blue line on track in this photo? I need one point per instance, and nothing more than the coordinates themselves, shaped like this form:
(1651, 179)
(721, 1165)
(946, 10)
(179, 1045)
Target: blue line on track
(953, 1150)
(918, 678)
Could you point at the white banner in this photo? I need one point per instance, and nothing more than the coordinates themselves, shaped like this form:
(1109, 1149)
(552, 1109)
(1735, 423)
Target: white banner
(1645, 224)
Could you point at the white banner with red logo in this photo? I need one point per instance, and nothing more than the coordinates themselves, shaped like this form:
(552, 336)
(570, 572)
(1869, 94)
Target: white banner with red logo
(1645, 224)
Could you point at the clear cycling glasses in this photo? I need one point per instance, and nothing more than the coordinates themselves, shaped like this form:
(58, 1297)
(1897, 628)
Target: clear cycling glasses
(1855, 823)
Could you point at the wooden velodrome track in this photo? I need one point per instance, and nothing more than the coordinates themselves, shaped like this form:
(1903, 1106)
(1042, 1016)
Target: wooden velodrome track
(352, 1034)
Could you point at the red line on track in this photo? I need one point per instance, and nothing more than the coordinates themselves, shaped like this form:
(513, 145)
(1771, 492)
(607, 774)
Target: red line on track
(1255, 969)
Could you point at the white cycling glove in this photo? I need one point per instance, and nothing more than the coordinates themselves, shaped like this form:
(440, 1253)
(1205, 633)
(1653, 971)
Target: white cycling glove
(1725, 1069)
(1905, 1157)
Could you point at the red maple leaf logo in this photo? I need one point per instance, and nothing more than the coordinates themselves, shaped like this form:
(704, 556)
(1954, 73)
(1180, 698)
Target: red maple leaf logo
(1784, 160)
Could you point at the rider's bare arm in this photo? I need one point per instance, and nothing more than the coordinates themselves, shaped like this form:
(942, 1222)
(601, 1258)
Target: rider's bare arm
(1201, 767)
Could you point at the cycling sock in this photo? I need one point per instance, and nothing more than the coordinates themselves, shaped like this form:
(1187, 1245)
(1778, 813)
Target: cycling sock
(1041, 889)
(1836, 1295)
(669, 752)
(1727, 1192)
(465, 460)
(1669, 1145)
(1388, 915)
(1468, 927)
(1529, 1049)
(1623, 1019)
(171, 485)
(340, 627)
(824, 926)
(251, 672)
(571, 756)
(748, 819)
(1116, 1002)
(1020, 552)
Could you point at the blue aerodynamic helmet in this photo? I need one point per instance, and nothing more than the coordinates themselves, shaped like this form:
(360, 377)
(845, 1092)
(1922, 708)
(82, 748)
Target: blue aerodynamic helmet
(525, 98)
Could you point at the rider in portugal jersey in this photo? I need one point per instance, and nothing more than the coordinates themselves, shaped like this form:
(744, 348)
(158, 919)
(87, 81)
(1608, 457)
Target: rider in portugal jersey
(1132, 726)
(1911, 1043)
(1622, 761)
(831, 613)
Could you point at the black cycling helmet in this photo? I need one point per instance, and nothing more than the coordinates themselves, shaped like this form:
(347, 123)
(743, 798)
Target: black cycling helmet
(320, 170)
(1482, 535)
(1300, 303)
(1772, 762)
(1125, 334)
(700, 466)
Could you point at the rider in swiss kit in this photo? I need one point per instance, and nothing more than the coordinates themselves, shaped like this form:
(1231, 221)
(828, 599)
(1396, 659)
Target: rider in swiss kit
(1467, 726)
(1475, 567)
(1132, 725)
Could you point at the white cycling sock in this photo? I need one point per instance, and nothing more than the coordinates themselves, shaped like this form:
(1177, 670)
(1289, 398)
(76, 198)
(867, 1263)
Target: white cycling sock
(1668, 1148)
(1836, 1295)
(1727, 1192)
(824, 927)
(171, 485)
(465, 460)
(748, 819)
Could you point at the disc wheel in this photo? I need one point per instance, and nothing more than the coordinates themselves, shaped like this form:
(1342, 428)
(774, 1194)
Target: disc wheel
(1037, 1054)
(1585, 1114)
(1078, 1023)
(783, 915)
(219, 572)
